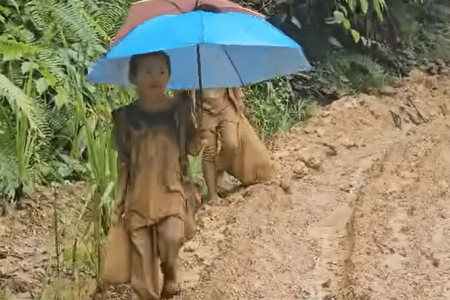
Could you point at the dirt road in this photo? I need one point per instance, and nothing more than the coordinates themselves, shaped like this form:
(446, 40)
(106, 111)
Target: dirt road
(359, 208)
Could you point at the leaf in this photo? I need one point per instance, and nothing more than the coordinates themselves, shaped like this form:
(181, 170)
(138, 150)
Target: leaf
(61, 98)
(346, 24)
(18, 99)
(331, 20)
(364, 41)
(5, 11)
(51, 79)
(28, 67)
(379, 6)
(343, 9)
(339, 16)
(41, 85)
(356, 35)
(14, 50)
(364, 5)
(352, 4)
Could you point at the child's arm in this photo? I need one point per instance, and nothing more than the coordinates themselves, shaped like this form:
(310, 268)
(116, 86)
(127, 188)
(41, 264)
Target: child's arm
(121, 145)
(192, 141)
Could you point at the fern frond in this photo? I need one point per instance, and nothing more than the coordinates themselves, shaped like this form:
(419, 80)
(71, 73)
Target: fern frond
(8, 161)
(372, 67)
(12, 48)
(111, 17)
(18, 32)
(75, 27)
(18, 100)
(40, 13)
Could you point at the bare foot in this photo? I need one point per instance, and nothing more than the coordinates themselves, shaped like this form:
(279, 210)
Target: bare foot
(214, 198)
(170, 289)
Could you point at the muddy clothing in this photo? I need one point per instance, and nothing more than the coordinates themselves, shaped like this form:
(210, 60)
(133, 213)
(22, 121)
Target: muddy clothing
(147, 143)
(219, 101)
(219, 120)
(251, 163)
(163, 240)
(154, 200)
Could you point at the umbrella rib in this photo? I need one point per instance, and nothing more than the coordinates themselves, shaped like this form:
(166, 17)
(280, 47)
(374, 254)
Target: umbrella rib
(234, 66)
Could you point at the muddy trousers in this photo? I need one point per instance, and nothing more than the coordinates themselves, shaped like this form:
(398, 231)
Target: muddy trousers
(228, 133)
(162, 240)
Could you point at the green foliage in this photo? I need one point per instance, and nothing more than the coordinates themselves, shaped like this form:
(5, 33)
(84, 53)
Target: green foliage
(353, 73)
(45, 47)
(273, 107)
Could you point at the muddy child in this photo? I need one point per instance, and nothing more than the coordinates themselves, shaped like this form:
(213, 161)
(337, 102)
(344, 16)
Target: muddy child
(151, 136)
(230, 143)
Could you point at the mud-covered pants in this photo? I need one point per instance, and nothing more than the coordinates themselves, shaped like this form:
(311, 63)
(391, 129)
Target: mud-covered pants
(162, 240)
(227, 131)
(215, 130)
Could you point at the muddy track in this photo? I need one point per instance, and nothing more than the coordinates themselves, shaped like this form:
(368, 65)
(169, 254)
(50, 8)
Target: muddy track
(314, 233)
(358, 209)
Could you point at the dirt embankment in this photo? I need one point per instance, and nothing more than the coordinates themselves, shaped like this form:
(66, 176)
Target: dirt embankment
(359, 210)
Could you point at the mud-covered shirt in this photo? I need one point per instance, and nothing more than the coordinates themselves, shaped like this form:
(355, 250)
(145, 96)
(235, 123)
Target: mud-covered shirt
(148, 148)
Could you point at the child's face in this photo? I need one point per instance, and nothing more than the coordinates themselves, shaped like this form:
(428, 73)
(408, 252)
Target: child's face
(152, 72)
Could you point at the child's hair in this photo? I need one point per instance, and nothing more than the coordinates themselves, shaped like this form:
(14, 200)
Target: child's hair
(134, 61)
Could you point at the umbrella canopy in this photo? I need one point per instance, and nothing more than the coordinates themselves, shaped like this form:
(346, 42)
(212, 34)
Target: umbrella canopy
(147, 9)
(207, 50)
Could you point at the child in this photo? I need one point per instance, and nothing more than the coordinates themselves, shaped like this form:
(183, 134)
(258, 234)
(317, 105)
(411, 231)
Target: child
(230, 144)
(221, 109)
(152, 135)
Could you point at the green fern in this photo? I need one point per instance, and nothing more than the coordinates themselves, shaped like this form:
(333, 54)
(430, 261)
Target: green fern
(372, 72)
(352, 72)
(13, 49)
(19, 101)
(9, 179)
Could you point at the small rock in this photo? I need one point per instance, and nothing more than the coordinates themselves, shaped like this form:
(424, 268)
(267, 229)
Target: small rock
(388, 91)
(326, 284)
(188, 249)
(435, 262)
(300, 172)
(444, 109)
(310, 161)
(348, 104)
(320, 132)
(40, 272)
(402, 252)
(443, 184)
(348, 143)
(286, 185)
(331, 149)
(444, 215)
(325, 114)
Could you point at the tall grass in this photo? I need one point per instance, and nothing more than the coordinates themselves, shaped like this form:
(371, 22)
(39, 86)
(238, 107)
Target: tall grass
(273, 107)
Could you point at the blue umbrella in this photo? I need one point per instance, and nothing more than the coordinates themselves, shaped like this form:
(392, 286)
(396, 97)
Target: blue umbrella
(207, 50)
